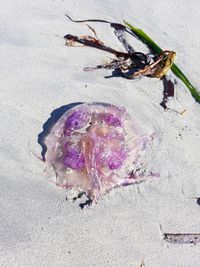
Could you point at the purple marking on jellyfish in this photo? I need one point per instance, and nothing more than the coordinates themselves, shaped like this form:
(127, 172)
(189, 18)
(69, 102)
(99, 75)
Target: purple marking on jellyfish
(73, 157)
(112, 120)
(77, 119)
(116, 159)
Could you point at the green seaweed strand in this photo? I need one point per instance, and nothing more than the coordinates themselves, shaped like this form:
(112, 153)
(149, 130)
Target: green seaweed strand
(147, 40)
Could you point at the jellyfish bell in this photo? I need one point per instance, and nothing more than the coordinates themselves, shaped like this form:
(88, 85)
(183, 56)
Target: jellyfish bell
(95, 147)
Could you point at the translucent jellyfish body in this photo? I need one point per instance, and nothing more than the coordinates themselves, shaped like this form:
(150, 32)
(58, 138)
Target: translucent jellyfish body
(96, 147)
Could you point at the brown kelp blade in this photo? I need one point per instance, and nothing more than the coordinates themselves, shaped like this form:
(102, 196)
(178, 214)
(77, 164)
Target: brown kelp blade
(93, 42)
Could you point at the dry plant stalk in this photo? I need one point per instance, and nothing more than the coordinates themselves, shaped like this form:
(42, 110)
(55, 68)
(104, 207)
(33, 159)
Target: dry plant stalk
(180, 238)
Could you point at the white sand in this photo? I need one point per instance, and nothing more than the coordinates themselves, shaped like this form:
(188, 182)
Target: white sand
(39, 74)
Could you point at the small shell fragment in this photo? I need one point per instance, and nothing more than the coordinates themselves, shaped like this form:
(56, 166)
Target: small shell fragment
(96, 147)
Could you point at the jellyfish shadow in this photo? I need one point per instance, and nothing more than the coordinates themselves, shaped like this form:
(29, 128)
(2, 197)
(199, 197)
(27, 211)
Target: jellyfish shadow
(47, 126)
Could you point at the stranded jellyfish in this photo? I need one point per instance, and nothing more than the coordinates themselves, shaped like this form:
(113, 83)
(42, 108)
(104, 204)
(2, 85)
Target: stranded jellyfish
(96, 147)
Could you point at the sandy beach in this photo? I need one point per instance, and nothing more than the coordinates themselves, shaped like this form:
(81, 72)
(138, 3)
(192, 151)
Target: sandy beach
(39, 74)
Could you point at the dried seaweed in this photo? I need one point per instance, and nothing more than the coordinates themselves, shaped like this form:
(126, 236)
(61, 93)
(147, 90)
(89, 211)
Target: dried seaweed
(130, 64)
(138, 63)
